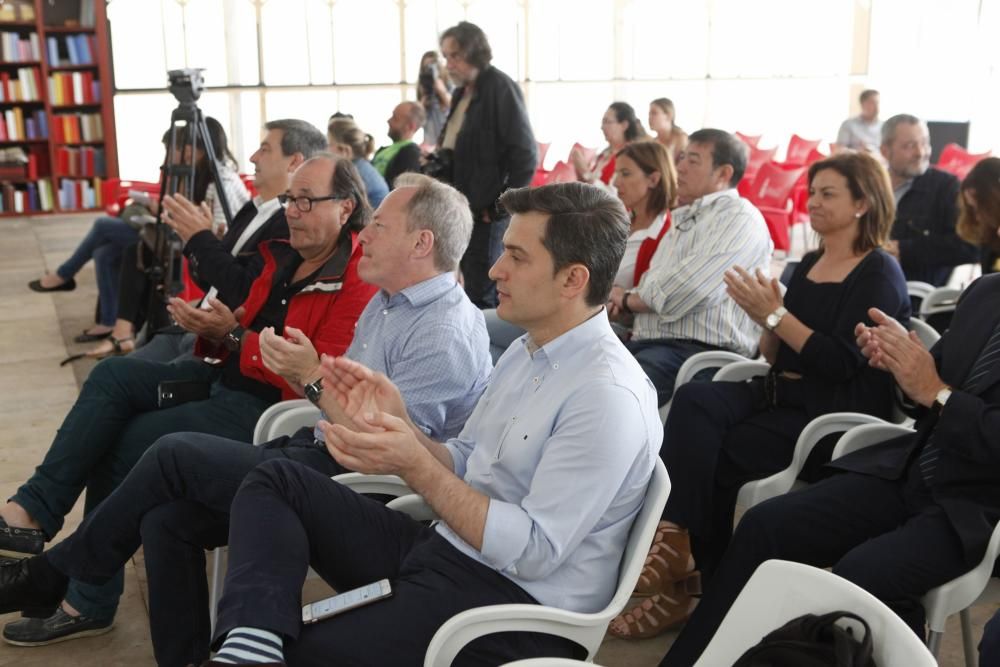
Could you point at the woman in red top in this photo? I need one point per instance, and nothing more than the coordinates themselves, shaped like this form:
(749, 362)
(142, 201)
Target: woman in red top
(620, 127)
(646, 182)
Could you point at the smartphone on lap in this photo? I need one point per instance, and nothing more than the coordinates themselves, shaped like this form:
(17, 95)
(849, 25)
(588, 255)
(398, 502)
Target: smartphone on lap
(317, 611)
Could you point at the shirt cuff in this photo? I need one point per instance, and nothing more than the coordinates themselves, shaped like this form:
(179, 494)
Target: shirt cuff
(505, 535)
(458, 461)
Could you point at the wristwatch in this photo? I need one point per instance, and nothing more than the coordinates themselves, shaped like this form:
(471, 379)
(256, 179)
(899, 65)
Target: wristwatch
(625, 308)
(774, 319)
(233, 339)
(942, 397)
(313, 391)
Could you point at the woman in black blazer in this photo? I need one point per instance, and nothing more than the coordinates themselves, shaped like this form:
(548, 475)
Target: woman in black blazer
(721, 435)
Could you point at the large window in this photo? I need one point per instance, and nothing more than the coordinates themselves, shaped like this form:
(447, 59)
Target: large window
(769, 67)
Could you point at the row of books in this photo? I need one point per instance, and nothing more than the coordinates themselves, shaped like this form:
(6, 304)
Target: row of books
(67, 88)
(25, 199)
(77, 128)
(85, 161)
(14, 126)
(16, 48)
(71, 50)
(17, 10)
(24, 87)
(79, 193)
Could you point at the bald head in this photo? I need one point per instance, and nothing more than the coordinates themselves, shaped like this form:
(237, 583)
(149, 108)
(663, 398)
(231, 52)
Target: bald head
(406, 119)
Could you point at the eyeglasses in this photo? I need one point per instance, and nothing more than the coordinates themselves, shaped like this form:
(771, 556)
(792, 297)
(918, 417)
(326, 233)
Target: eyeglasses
(305, 204)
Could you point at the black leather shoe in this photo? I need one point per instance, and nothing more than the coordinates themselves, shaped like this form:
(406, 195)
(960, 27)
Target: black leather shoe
(68, 286)
(20, 592)
(59, 627)
(20, 542)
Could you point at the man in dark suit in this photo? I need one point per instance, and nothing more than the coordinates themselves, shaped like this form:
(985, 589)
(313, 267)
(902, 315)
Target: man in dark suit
(923, 236)
(904, 516)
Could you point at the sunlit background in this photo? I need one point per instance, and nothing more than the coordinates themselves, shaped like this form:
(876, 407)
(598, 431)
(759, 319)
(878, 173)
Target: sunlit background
(770, 67)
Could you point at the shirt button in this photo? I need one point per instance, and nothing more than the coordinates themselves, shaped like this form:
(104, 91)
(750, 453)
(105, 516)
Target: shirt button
(385, 312)
(284, 302)
(555, 366)
(364, 345)
(535, 380)
(254, 357)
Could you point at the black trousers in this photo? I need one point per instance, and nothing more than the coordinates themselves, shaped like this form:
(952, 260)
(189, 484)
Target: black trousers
(720, 435)
(886, 536)
(175, 502)
(485, 248)
(286, 517)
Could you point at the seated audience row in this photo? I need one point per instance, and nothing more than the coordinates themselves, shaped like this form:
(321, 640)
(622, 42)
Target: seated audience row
(505, 537)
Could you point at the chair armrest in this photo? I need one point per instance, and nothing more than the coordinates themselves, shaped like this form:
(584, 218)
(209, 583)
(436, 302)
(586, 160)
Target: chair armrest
(284, 418)
(415, 506)
(963, 591)
(741, 371)
(388, 485)
(867, 435)
(471, 624)
(755, 492)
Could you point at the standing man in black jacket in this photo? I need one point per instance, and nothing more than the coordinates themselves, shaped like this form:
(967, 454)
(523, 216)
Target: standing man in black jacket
(492, 148)
(923, 236)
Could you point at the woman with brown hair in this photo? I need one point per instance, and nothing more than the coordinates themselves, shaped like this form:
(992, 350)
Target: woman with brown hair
(661, 121)
(350, 141)
(620, 126)
(720, 435)
(646, 182)
(979, 211)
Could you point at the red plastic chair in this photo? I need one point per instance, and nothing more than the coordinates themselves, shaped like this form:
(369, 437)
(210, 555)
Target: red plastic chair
(749, 139)
(561, 173)
(589, 155)
(114, 192)
(543, 150)
(956, 160)
(758, 157)
(800, 150)
(771, 192)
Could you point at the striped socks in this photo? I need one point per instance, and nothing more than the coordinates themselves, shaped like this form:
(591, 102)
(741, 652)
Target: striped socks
(250, 646)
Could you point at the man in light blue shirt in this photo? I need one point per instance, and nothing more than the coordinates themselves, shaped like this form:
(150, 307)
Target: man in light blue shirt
(536, 495)
(420, 329)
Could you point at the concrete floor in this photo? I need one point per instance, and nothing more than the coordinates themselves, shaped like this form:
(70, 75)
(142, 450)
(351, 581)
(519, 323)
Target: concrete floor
(35, 393)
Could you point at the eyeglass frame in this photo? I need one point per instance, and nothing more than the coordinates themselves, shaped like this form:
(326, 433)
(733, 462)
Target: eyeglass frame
(284, 199)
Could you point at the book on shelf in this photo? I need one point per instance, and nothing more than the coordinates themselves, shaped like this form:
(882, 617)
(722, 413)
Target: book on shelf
(15, 47)
(79, 193)
(77, 128)
(70, 49)
(25, 87)
(85, 161)
(68, 88)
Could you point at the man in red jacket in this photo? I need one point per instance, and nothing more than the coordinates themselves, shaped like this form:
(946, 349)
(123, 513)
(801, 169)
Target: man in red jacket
(309, 283)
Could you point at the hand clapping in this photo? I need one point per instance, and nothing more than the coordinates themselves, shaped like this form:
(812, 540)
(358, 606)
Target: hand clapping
(756, 294)
(890, 347)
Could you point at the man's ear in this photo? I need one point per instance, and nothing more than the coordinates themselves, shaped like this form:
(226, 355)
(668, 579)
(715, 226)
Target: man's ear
(297, 160)
(347, 209)
(425, 243)
(726, 172)
(576, 280)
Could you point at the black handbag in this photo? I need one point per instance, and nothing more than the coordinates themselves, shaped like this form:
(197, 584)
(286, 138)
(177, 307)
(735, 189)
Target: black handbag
(812, 641)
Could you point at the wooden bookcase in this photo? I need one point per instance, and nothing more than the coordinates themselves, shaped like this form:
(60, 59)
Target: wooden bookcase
(56, 106)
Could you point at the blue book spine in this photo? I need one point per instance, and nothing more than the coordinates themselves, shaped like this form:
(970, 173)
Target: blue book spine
(74, 57)
(43, 125)
(53, 47)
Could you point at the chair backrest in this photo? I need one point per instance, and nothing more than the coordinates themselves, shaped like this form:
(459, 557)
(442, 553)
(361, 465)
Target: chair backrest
(640, 538)
(773, 185)
(780, 591)
(928, 335)
(284, 418)
(939, 300)
(561, 173)
(918, 289)
(757, 159)
(589, 154)
(956, 160)
(543, 150)
(799, 149)
(749, 139)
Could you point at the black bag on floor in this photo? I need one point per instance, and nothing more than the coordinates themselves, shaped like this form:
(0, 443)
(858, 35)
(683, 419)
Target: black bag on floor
(812, 641)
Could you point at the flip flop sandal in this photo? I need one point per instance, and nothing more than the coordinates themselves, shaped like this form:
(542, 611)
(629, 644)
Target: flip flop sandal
(669, 560)
(116, 350)
(657, 614)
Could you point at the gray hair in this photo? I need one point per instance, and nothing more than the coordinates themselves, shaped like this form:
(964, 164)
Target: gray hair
(444, 211)
(298, 136)
(890, 125)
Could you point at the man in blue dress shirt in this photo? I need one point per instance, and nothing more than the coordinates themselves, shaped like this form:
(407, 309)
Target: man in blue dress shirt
(420, 329)
(536, 495)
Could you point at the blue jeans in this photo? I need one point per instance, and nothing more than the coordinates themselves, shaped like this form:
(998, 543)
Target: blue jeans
(113, 422)
(104, 243)
(662, 358)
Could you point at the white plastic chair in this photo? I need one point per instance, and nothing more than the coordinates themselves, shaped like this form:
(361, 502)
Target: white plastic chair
(780, 591)
(928, 335)
(284, 418)
(695, 364)
(918, 289)
(974, 587)
(939, 300)
(587, 630)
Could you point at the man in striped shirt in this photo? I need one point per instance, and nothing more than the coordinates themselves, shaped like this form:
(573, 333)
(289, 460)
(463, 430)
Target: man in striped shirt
(680, 305)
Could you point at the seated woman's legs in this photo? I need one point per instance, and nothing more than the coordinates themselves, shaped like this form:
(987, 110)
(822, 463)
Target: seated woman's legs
(132, 298)
(104, 231)
(107, 268)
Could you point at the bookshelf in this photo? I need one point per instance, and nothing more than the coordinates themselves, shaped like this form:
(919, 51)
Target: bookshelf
(57, 134)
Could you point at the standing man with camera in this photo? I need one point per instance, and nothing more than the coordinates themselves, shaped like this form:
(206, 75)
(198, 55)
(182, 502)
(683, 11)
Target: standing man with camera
(487, 146)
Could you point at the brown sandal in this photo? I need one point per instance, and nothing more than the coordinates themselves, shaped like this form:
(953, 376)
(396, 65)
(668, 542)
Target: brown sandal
(118, 348)
(659, 613)
(669, 560)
